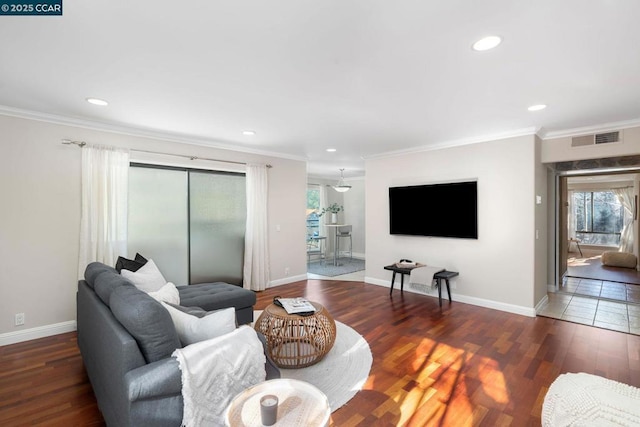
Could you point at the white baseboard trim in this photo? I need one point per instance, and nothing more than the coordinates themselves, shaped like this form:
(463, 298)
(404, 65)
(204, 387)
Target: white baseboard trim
(38, 332)
(496, 305)
(433, 292)
(542, 302)
(287, 280)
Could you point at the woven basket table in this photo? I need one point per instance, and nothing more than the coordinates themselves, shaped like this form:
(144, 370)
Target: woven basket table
(295, 341)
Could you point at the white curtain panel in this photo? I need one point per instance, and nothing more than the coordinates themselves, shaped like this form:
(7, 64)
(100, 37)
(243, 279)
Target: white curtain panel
(256, 247)
(323, 204)
(103, 225)
(626, 198)
(571, 216)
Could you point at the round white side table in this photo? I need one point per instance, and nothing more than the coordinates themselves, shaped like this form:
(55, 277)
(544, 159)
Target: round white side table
(299, 404)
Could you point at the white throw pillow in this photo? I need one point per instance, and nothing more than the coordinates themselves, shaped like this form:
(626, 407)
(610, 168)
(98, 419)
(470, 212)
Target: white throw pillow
(148, 278)
(192, 329)
(168, 293)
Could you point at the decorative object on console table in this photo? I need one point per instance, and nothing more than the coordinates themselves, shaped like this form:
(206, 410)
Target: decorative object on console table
(407, 263)
(438, 277)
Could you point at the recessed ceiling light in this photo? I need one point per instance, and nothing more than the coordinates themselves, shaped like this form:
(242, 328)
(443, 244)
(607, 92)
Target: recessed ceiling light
(487, 43)
(248, 132)
(331, 150)
(537, 107)
(97, 101)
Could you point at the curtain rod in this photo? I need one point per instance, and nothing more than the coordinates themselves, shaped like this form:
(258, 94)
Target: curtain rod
(82, 144)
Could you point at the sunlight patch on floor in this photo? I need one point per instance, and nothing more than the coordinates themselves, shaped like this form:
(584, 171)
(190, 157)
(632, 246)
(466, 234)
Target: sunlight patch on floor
(438, 383)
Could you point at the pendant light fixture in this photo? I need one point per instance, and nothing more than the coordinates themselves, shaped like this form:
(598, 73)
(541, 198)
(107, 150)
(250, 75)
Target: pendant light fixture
(341, 186)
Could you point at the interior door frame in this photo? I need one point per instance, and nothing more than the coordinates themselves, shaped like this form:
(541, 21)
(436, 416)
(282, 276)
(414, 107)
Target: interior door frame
(561, 212)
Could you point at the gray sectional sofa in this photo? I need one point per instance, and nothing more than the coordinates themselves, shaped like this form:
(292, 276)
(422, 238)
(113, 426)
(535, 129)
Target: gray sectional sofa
(126, 339)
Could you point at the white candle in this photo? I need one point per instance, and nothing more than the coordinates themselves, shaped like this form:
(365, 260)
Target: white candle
(269, 401)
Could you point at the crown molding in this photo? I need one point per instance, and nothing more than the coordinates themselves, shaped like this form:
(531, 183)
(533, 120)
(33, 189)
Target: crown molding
(586, 130)
(333, 179)
(458, 142)
(137, 132)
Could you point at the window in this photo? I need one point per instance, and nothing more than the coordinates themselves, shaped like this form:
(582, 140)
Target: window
(599, 217)
(313, 209)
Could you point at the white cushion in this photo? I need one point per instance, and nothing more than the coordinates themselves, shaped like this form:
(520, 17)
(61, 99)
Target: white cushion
(148, 278)
(167, 293)
(581, 399)
(192, 329)
(619, 259)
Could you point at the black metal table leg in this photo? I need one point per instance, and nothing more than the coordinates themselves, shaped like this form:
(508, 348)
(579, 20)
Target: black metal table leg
(439, 285)
(393, 279)
(448, 289)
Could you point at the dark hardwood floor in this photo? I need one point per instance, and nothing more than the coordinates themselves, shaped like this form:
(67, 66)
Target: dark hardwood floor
(459, 365)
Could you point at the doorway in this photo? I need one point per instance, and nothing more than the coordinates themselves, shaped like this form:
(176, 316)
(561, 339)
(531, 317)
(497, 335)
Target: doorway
(597, 213)
(327, 260)
(578, 294)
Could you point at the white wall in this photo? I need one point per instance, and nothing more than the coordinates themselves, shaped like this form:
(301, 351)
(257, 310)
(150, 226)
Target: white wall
(551, 207)
(497, 269)
(542, 204)
(40, 218)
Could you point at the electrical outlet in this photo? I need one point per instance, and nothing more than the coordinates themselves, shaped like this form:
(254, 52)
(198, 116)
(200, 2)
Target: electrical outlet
(286, 271)
(19, 319)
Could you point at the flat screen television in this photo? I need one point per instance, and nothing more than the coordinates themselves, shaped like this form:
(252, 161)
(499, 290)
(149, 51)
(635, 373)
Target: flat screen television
(439, 210)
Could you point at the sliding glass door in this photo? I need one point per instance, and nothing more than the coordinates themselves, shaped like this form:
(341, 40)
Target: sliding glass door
(191, 223)
(218, 216)
(158, 226)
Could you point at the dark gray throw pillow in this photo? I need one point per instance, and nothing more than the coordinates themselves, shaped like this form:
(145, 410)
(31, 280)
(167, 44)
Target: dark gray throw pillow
(130, 264)
(146, 320)
(139, 258)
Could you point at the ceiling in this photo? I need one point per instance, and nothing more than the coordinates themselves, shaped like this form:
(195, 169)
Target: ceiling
(366, 77)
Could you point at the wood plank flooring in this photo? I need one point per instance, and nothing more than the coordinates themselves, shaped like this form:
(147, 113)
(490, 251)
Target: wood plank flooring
(590, 267)
(459, 365)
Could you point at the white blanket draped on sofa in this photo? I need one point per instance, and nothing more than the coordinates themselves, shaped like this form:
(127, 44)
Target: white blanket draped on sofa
(215, 371)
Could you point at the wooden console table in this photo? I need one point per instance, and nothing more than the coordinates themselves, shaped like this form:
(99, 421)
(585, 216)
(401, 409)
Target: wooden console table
(442, 275)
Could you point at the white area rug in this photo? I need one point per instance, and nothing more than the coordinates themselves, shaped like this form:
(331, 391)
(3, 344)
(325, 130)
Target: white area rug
(342, 372)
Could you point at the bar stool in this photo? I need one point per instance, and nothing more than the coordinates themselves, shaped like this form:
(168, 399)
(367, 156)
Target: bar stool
(316, 250)
(344, 232)
(577, 242)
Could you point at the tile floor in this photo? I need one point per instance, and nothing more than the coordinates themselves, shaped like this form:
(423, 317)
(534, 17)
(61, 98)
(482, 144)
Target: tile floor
(608, 305)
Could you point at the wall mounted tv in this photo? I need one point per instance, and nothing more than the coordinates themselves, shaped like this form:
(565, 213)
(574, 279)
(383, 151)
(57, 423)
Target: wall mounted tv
(439, 210)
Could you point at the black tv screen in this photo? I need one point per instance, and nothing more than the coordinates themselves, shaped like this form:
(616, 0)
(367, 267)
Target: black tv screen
(439, 210)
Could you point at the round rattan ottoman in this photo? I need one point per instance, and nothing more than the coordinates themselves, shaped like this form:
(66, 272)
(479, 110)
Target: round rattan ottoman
(295, 341)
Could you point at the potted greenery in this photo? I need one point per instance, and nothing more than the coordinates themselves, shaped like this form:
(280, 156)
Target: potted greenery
(334, 209)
